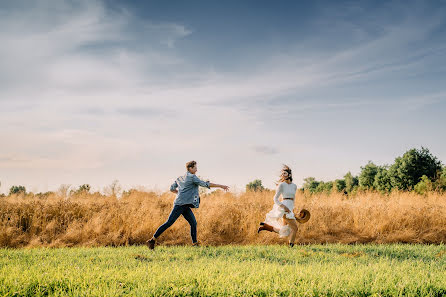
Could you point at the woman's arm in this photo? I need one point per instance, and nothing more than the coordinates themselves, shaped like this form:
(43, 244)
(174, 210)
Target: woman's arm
(276, 198)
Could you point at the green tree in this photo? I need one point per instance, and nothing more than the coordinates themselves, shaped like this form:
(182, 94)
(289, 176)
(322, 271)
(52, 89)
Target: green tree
(407, 170)
(310, 184)
(351, 182)
(255, 186)
(324, 187)
(382, 180)
(17, 190)
(367, 176)
(340, 185)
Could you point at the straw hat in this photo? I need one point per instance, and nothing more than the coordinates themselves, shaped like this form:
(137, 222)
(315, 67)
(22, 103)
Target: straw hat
(303, 217)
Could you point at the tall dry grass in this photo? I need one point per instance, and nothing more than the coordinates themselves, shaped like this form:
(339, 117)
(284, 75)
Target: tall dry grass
(223, 218)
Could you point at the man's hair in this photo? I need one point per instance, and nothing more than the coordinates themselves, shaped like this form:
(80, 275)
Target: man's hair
(190, 164)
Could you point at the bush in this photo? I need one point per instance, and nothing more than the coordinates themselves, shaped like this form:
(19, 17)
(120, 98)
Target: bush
(424, 186)
(17, 190)
(83, 189)
(255, 186)
(44, 194)
(440, 183)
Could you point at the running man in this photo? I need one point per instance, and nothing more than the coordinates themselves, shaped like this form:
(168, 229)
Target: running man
(186, 188)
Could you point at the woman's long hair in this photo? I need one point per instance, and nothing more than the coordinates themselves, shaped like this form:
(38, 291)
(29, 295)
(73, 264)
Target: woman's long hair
(283, 177)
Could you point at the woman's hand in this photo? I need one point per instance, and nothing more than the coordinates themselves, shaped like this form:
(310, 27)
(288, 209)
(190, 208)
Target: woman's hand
(286, 209)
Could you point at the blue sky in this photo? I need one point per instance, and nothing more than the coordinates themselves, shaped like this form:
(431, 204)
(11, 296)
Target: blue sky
(93, 91)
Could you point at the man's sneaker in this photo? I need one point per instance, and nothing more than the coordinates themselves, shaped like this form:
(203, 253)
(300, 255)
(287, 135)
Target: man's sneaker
(151, 243)
(291, 244)
(195, 244)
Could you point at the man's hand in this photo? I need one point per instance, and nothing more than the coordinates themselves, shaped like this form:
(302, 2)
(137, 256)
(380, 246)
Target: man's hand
(226, 188)
(212, 185)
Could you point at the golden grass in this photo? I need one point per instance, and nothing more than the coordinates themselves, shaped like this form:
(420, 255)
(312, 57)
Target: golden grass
(223, 218)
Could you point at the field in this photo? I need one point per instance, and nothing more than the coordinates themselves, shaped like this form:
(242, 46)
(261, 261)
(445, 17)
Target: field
(94, 220)
(365, 245)
(273, 270)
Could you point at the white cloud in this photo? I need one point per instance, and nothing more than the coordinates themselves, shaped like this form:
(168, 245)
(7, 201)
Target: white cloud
(79, 47)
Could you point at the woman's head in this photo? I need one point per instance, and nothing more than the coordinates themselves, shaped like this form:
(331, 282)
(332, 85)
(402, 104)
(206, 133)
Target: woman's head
(191, 166)
(285, 174)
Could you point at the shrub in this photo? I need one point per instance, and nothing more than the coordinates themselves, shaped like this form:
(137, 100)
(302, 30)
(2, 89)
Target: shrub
(17, 190)
(423, 186)
(440, 183)
(255, 186)
(83, 189)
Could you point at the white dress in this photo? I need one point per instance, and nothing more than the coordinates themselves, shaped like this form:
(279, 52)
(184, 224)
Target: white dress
(274, 217)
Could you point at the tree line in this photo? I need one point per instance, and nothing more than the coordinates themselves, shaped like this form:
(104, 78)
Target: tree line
(416, 170)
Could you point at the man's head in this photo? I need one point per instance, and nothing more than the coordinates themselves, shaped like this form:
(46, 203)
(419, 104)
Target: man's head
(191, 166)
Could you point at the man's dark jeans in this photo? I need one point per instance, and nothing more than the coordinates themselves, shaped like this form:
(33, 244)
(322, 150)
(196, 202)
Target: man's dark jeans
(187, 213)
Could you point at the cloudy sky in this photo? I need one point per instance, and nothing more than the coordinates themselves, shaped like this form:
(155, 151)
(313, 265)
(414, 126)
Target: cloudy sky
(93, 91)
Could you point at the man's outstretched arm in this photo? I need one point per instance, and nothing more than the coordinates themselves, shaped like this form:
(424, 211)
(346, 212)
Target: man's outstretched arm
(211, 185)
(208, 184)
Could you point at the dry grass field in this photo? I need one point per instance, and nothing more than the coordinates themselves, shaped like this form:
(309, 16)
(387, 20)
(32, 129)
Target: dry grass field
(223, 218)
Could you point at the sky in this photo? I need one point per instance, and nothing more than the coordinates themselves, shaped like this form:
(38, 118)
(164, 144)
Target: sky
(95, 91)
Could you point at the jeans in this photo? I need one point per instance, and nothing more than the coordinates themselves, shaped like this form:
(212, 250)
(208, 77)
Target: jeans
(174, 215)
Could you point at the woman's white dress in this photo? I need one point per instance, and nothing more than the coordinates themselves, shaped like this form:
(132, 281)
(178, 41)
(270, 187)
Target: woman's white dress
(274, 217)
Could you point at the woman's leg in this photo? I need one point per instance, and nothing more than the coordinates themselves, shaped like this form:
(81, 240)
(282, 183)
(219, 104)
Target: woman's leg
(267, 227)
(190, 218)
(293, 225)
(174, 215)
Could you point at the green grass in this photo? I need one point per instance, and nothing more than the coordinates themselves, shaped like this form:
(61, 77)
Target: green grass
(315, 270)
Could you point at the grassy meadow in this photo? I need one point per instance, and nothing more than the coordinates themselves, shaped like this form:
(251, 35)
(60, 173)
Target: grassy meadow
(272, 270)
